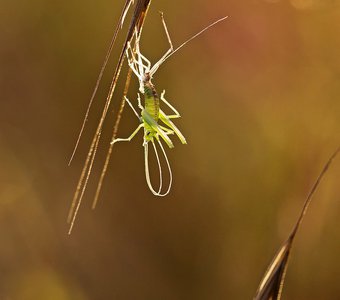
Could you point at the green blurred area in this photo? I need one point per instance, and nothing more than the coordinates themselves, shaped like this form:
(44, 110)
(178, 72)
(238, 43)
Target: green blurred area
(258, 95)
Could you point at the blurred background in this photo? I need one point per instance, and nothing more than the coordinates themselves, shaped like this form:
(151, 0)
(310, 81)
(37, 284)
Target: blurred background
(258, 95)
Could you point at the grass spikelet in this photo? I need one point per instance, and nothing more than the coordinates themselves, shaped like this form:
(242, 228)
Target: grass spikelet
(271, 285)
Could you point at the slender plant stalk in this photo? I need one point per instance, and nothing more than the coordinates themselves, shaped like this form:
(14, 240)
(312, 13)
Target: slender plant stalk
(101, 73)
(114, 134)
(136, 23)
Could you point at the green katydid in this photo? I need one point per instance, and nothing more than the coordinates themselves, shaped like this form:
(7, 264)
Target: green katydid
(151, 113)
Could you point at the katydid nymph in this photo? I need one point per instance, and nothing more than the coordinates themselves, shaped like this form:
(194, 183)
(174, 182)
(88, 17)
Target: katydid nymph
(157, 125)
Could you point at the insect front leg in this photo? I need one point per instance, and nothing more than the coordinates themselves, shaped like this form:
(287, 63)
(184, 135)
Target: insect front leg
(133, 62)
(143, 63)
(138, 61)
(130, 137)
(148, 63)
(139, 102)
(141, 58)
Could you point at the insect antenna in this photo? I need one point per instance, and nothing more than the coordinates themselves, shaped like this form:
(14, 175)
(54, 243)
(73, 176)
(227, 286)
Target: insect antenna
(147, 172)
(169, 168)
(173, 51)
(159, 169)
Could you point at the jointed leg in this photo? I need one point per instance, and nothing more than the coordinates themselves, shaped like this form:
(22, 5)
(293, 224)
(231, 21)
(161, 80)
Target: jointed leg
(176, 115)
(130, 137)
(139, 102)
(139, 61)
(148, 63)
(132, 61)
(166, 31)
(160, 61)
(141, 58)
(136, 63)
(166, 119)
(166, 130)
(130, 104)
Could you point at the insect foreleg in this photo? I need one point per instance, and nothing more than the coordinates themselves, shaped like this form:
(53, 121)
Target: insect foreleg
(132, 61)
(138, 61)
(130, 137)
(139, 102)
(144, 63)
(148, 63)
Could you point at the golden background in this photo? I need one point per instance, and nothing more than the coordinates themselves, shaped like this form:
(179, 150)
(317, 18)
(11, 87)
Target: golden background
(259, 99)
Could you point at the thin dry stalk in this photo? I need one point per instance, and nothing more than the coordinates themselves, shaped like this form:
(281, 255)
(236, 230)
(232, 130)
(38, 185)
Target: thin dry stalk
(101, 73)
(114, 135)
(136, 23)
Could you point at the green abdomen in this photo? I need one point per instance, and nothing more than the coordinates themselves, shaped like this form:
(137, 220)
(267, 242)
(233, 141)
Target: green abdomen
(151, 101)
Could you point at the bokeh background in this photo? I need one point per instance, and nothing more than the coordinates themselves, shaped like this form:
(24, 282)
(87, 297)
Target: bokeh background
(259, 99)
